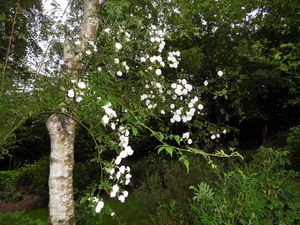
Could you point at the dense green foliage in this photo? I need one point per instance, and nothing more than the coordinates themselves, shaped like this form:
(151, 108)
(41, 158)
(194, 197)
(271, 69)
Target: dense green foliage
(255, 102)
(31, 178)
(261, 193)
(293, 141)
(19, 218)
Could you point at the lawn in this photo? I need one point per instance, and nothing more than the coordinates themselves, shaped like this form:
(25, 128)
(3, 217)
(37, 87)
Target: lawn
(125, 213)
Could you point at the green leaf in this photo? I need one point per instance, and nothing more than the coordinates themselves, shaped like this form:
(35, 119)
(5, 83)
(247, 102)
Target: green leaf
(169, 149)
(134, 131)
(198, 124)
(177, 139)
(2, 17)
(160, 136)
(185, 162)
(83, 200)
(160, 149)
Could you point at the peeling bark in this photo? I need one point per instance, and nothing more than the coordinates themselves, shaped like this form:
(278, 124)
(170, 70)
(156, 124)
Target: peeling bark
(61, 129)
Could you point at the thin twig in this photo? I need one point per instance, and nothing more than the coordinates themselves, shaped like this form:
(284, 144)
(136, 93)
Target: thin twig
(51, 39)
(9, 45)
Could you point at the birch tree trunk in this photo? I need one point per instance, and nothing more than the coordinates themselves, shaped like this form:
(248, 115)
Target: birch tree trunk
(61, 128)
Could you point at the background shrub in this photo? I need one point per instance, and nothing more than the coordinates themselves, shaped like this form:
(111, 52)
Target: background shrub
(29, 179)
(293, 140)
(162, 187)
(261, 193)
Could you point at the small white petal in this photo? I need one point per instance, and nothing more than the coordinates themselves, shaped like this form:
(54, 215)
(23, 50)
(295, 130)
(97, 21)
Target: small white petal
(116, 60)
(123, 154)
(118, 160)
(125, 194)
(79, 99)
(107, 30)
(121, 198)
(113, 194)
(115, 188)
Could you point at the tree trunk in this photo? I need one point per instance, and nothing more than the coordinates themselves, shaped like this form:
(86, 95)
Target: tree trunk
(62, 128)
(61, 203)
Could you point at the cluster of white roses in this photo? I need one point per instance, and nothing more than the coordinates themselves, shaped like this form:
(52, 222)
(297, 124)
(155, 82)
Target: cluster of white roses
(119, 174)
(182, 90)
(181, 110)
(123, 133)
(109, 114)
(124, 144)
(115, 191)
(173, 58)
(154, 86)
(118, 46)
(186, 136)
(157, 36)
(217, 135)
(77, 91)
(99, 204)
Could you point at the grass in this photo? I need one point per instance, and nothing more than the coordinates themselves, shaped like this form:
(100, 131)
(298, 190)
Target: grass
(41, 214)
(34, 217)
(128, 213)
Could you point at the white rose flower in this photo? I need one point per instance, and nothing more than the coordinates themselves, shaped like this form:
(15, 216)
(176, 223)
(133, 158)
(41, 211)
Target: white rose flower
(81, 85)
(220, 73)
(105, 119)
(200, 106)
(158, 72)
(117, 61)
(71, 93)
(121, 198)
(118, 46)
(79, 99)
(99, 206)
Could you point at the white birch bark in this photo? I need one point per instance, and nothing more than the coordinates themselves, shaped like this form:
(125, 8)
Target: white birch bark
(61, 129)
(61, 204)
